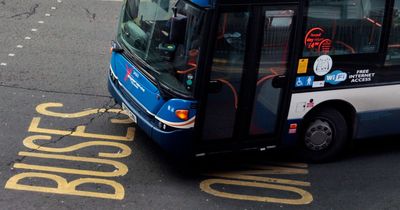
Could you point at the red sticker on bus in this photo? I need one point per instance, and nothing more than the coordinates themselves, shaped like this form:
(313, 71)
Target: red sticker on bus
(315, 40)
(314, 37)
(325, 46)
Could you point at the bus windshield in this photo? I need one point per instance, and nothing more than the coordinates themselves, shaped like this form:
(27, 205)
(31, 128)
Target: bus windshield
(165, 35)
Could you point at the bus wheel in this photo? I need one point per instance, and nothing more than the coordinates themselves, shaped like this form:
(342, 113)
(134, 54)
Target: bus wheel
(324, 136)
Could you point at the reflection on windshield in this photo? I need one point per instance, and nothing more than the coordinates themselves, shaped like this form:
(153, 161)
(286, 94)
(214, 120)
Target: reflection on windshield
(165, 34)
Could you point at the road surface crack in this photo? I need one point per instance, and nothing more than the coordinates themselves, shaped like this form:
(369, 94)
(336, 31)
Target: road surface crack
(29, 13)
(109, 105)
(91, 16)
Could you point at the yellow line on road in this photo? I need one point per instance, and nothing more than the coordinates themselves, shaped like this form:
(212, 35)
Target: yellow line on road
(305, 197)
(120, 168)
(80, 131)
(63, 187)
(240, 175)
(30, 143)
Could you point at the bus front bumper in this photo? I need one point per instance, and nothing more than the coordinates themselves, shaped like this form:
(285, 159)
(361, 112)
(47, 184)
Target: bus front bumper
(178, 142)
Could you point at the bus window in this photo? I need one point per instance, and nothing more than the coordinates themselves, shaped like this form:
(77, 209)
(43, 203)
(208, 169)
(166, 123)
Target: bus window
(343, 27)
(147, 31)
(273, 62)
(393, 51)
(227, 68)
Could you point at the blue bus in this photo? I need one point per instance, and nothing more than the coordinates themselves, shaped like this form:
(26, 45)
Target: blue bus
(209, 76)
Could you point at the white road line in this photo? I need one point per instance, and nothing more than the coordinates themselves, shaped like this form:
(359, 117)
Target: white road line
(112, 0)
(34, 30)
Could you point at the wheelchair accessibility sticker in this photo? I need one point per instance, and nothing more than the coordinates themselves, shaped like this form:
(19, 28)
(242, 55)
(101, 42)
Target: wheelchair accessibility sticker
(305, 81)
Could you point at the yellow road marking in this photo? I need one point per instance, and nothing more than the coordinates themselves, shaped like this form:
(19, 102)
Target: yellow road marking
(239, 175)
(42, 109)
(289, 164)
(122, 121)
(63, 187)
(69, 188)
(305, 197)
(121, 169)
(276, 170)
(247, 178)
(80, 131)
(30, 143)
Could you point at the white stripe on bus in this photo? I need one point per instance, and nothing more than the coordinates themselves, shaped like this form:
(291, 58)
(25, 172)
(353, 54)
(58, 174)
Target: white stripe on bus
(366, 99)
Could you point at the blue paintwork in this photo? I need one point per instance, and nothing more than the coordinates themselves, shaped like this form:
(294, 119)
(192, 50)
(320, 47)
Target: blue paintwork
(167, 111)
(263, 119)
(177, 141)
(145, 92)
(290, 139)
(203, 3)
(378, 123)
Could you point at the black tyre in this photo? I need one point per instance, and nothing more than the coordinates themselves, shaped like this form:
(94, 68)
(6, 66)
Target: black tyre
(324, 136)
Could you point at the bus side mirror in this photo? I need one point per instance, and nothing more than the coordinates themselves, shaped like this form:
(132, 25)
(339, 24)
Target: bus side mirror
(279, 81)
(116, 47)
(214, 86)
(178, 29)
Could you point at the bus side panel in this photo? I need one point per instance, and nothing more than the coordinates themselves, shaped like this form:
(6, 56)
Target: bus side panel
(377, 108)
(178, 142)
(378, 123)
(138, 86)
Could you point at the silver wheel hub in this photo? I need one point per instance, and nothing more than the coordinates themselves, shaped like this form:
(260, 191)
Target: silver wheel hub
(318, 135)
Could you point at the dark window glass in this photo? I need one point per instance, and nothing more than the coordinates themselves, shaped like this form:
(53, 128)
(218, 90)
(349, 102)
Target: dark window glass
(166, 40)
(274, 55)
(227, 69)
(393, 53)
(338, 27)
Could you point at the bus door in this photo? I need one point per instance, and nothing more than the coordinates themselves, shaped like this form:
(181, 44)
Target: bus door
(251, 48)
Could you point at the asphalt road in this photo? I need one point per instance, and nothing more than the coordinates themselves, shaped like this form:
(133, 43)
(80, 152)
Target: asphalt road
(65, 145)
